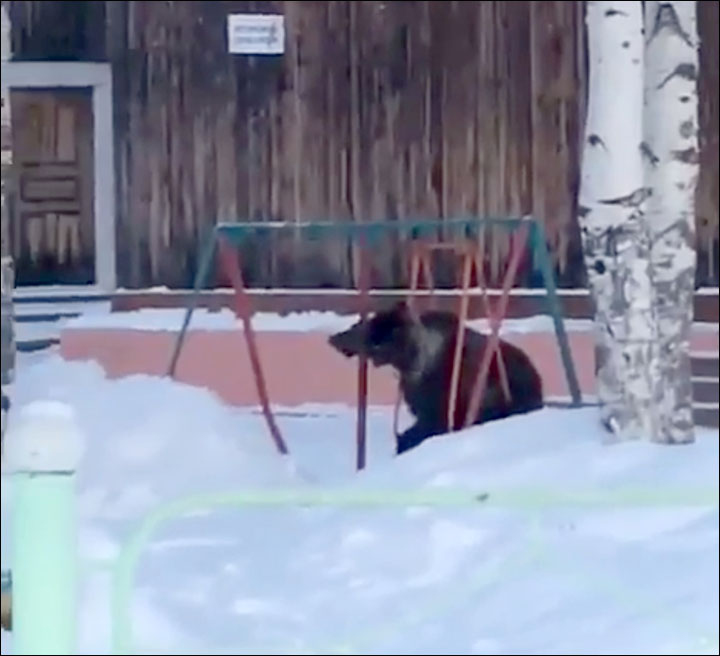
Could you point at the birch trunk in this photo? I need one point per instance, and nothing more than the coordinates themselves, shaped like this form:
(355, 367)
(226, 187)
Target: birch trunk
(5, 141)
(672, 169)
(611, 213)
(7, 332)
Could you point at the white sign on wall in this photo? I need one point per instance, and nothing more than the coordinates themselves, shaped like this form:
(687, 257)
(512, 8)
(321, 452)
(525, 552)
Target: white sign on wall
(256, 34)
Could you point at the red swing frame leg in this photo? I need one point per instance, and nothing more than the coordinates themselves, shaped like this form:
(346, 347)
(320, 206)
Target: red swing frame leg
(363, 283)
(426, 260)
(230, 263)
(518, 247)
(419, 263)
(465, 276)
(492, 319)
(415, 264)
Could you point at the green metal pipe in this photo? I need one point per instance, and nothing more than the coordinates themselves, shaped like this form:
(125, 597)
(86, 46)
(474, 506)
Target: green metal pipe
(44, 564)
(529, 500)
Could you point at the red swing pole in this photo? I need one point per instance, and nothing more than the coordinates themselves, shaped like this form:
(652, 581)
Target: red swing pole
(419, 261)
(511, 273)
(426, 261)
(419, 264)
(363, 284)
(492, 320)
(415, 262)
(467, 266)
(231, 264)
(414, 280)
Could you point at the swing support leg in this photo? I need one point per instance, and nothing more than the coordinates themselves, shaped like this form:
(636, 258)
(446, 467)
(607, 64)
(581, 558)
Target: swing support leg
(518, 246)
(230, 263)
(363, 284)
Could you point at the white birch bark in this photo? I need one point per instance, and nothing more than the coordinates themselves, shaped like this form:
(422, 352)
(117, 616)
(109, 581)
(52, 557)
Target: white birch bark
(672, 169)
(7, 331)
(611, 213)
(5, 142)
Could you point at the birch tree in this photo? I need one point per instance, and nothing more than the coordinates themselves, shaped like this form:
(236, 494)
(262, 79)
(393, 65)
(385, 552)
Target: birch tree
(7, 335)
(612, 204)
(7, 361)
(5, 145)
(671, 161)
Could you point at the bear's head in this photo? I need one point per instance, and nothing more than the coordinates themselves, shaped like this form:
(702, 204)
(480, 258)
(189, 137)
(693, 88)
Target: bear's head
(386, 338)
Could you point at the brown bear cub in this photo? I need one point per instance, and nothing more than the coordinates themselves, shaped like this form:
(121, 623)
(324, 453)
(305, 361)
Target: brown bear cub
(422, 349)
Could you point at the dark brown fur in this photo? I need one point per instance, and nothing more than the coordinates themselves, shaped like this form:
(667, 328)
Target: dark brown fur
(422, 351)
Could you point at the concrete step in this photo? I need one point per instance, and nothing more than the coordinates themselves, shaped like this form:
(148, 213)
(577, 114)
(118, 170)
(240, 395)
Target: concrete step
(45, 317)
(38, 344)
(707, 415)
(706, 390)
(40, 313)
(705, 364)
(37, 331)
(705, 368)
(60, 294)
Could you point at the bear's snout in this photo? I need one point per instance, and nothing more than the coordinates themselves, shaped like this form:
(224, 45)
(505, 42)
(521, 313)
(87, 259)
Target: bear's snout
(345, 342)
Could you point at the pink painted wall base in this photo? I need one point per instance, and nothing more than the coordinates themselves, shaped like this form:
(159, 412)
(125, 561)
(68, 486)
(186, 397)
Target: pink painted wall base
(300, 367)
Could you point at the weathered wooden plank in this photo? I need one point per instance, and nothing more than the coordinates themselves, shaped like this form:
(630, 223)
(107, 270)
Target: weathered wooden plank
(376, 110)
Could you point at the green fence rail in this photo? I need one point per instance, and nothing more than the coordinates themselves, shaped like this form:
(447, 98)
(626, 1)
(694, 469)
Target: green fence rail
(530, 501)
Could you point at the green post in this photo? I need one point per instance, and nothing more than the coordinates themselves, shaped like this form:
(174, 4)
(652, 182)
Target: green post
(43, 450)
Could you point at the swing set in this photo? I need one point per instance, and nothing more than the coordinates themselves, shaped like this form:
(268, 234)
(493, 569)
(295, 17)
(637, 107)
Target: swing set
(467, 242)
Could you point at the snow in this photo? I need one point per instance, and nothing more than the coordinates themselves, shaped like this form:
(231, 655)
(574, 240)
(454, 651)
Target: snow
(40, 330)
(29, 309)
(156, 319)
(507, 575)
(45, 438)
(164, 319)
(515, 291)
(707, 291)
(58, 291)
(54, 315)
(339, 291)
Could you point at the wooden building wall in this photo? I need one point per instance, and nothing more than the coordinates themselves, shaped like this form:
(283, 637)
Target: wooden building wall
(377, 110)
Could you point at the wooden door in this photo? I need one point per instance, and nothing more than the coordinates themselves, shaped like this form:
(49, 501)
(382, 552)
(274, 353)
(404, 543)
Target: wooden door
(53, 216)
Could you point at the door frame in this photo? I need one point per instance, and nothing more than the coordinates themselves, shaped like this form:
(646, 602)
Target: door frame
(98, 76)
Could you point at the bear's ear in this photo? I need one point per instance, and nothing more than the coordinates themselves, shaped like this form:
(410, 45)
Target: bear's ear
(404, 312)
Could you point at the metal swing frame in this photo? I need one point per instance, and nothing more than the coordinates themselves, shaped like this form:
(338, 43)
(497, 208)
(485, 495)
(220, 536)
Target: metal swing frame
(463, 235)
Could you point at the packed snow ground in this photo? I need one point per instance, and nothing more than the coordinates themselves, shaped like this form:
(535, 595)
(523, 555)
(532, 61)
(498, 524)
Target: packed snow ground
(481, 580)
